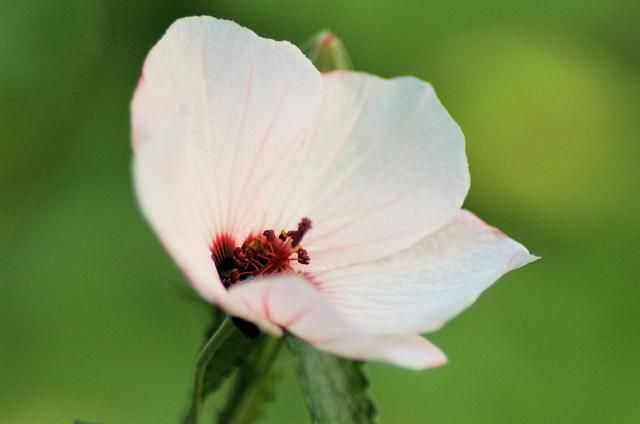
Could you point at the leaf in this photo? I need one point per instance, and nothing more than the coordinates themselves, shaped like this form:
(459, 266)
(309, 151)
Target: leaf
(230, 356)
(336, 390)
(254, 384)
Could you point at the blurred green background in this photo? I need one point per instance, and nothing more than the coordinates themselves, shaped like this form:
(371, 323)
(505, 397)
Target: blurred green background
(97, 323)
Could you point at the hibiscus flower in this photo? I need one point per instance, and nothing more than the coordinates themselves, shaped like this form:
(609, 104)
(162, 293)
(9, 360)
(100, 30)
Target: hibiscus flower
(324, 205)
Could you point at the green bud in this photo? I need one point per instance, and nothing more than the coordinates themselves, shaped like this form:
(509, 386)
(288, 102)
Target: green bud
(327, 52)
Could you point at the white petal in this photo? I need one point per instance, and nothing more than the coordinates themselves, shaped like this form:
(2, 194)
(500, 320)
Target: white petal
(419, 289)
(409, 351)
(384, 168)
(291, 302)
(216, 111)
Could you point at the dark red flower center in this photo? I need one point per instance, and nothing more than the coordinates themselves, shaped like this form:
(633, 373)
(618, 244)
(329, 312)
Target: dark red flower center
(259, 254)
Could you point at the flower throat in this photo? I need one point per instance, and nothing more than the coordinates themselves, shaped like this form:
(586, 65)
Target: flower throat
(262, 254)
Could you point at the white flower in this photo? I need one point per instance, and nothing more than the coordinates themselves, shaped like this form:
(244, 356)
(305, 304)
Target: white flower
(235, 135)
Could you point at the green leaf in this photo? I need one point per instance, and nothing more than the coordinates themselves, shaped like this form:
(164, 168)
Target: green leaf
(230, 356)
(233, 353)
(254, 384)
(336, 390)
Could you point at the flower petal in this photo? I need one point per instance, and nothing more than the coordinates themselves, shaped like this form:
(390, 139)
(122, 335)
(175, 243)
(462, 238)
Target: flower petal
(291, 302)
(409, 351)
(216, 111)
(420, 288)
(384, 168)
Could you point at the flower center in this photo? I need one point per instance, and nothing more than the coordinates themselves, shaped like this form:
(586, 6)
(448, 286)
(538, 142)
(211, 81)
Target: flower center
(260, 254)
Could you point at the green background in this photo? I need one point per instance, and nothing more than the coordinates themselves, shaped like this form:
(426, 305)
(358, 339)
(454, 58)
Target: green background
(97, 323)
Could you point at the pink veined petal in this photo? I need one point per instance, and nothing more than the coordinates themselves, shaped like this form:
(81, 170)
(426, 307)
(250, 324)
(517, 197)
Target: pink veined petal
(420, 288)
(383, 168)
(291, 302)
(217, 111)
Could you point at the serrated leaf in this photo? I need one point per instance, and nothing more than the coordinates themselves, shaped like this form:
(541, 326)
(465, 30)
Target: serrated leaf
(254, 384)
(336, 390)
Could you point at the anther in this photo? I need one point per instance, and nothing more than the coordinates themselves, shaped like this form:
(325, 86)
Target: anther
(303, 256)
(303, 227)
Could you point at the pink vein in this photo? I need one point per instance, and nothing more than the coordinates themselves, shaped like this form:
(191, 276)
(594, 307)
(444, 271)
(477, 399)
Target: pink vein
(347, 136)
(370, 152)
(209, 106)
(312, 141)
(239, 138)
(263, 142)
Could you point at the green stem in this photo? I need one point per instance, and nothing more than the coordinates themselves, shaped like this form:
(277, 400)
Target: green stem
(249, 385)
(206, 354)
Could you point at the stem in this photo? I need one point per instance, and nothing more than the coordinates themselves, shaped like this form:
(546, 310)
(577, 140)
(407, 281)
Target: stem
(205, 356)
(251, 379)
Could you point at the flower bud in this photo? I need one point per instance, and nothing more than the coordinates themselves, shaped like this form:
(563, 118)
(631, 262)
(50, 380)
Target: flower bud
(327, 52)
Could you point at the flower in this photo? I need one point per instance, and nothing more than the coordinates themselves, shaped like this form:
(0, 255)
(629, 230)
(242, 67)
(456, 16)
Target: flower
(327, 205)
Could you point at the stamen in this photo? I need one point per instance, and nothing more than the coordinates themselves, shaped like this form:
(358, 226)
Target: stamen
(303, 227)
(262, 254)
(303, 256)
(270, 235)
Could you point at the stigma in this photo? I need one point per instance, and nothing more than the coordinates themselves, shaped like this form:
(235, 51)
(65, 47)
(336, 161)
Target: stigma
(260, 254)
